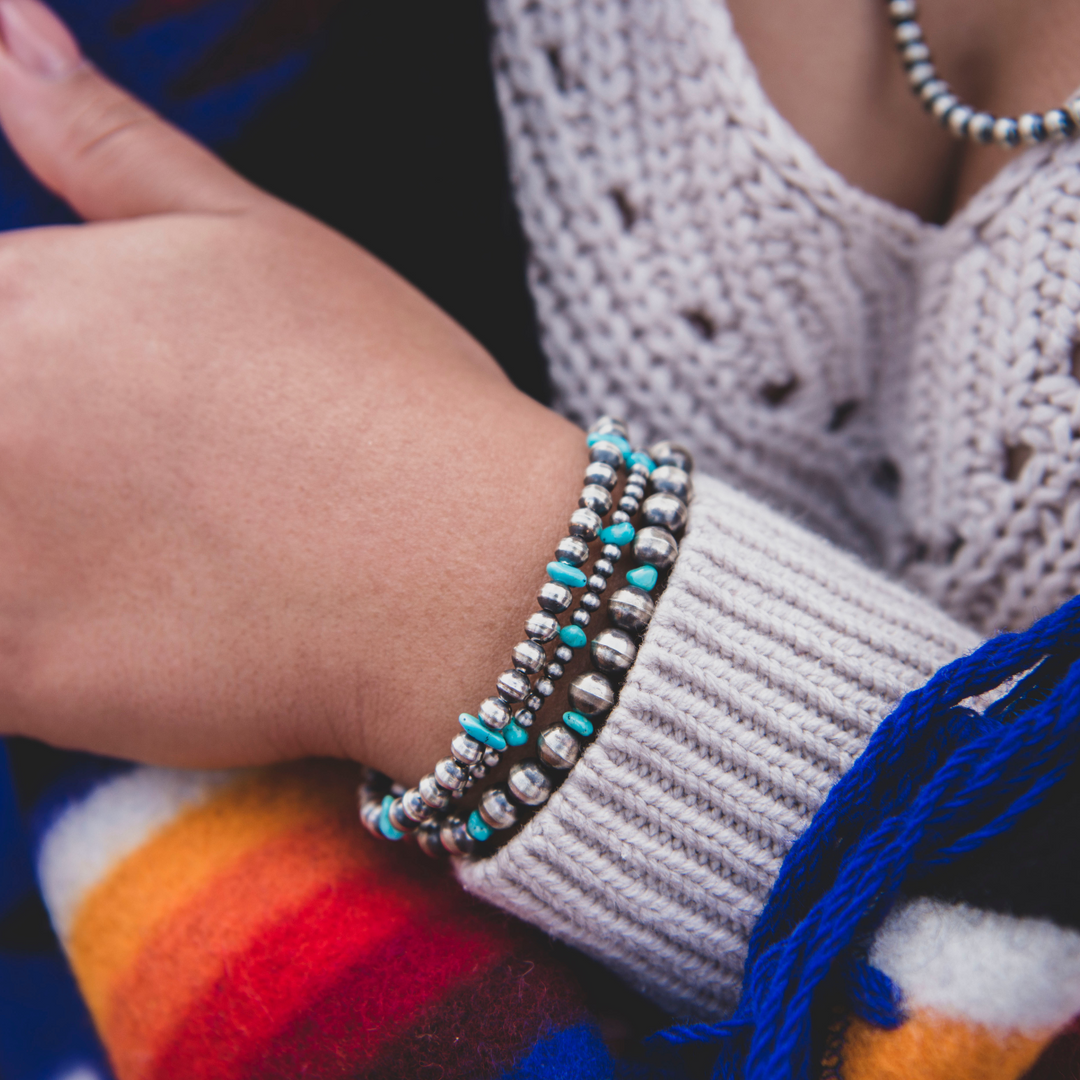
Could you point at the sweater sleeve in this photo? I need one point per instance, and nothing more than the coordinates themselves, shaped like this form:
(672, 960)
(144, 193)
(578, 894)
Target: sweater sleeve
(770, 659)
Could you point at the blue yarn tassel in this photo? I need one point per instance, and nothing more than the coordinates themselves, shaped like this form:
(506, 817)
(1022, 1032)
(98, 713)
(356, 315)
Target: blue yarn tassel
(937, 780)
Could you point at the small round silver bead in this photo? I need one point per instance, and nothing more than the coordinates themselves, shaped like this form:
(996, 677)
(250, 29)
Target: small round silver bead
(545, 687)
(664, 510)
(529, 783)
(613, 651)
(585, 524)
(635, 488)
(942, 106)
(591, 695)
(455, 837)
(427, 839)
(513, 685)
(901, 10)
(541, 626)
(450, 775)
(920, 74)
(597, 583)
(491, 758)
(433, 793)
(906, 32)
(1006, 132)
(497, 809)
(629, 506)
(399, 819)
(606, 452)
(655, 546)
(534, 702)
(604, 567)
(930, 91)
(1032, 129)
(572, 550)
(564, 654)
(370, 816)
(915, 52)
(610, 553)
(528, 656)
(465, 749)
(554, 670)
(1058, 123)
(980, 128)
(600, 473)
(525, 718)
(494, 712)
(674, 481)
(595, 498)
(958, 120)
(478, 772)
(671, 453)
(619, 517)
(558, 747)
(1072, 107)
(631, 609)
(580, 618)
(603, 424)
(590, 601)
(554, 597)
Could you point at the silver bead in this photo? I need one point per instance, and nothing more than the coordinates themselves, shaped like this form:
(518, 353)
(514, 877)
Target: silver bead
(427, 840)
(655, 546)
(580, 618)
(613, 651)
(606, 423)
(590, 601)
(635, 490)
(491, 758)
(513, 685)
(619, 517)
(534, 702)
(572, 550)
(494, 712)
(674, 481)
(671, 453)
(433, 793)
(554, 597)
(450, 775)
(920, 74)
(915, 52)
(585, 523)
(906, 32)
(415, 808)
(631, 609)
(611, 553)
(545, 687)
(1058, 123)
(942, 105)
(541, 626)
(370, 815)
(664, 510)
(599, 473)
(559, 747)
(564, 654)
(529, 783)
(629, 506)
(525, 718)
(606, 452)
(497, 810)
(528, 657)
(465, 749)
(958, 120)
(399, 819)
(639, 471)
(1032, 129)
(1006, 133)
(1072, 107)
(455, 837)
(980, 128)
(901, 10)
(597, 583)
(554, 670)
(604, 567)
(595, 498)
(478, 772)
(591, 695)
(930, 91)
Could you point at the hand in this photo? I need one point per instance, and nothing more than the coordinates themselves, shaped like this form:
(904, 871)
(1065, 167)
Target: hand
(260, 499)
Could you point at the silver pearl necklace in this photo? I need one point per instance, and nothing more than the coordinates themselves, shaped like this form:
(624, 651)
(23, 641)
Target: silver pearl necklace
(953, 114)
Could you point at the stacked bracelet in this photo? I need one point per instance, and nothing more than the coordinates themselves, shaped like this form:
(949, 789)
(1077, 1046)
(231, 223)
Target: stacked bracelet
(503, 720)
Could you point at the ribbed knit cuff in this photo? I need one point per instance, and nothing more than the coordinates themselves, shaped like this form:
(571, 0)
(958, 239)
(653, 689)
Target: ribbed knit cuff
(770, 659)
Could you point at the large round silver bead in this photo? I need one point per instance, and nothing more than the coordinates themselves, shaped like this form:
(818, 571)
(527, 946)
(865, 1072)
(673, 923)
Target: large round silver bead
(591, 695)
(427, 839)
(513, 685)
(671, 453)
(673, 480)
(541, 626)
(416, 810)
(450, 774)
(631, 609)
(613, 651)
(585, 524)
(598, 472)
(655, 546)
(603, 424)
(398, 818)
(559, 747)
(455, 837)
(528, 656)
(554, 597)
(664, 510)
(494, 712)
(433, 793)
(595, 498)
(466, 749)
(607, 452)
(572, 549)
(370, 816)
(529, 783)
(497, 810)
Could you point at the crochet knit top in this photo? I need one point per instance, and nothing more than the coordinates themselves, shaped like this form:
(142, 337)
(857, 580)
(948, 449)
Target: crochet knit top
(883, 412)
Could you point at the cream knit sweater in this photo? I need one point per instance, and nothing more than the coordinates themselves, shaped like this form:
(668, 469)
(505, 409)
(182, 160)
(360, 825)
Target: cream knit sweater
(900, 390)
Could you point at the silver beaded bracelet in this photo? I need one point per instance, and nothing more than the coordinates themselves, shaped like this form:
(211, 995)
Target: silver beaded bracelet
(424, 812)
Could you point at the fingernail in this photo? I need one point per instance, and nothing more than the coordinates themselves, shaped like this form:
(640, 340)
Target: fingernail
(37, 40)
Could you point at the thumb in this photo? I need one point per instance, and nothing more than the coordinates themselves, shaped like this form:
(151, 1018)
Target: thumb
(102, 151)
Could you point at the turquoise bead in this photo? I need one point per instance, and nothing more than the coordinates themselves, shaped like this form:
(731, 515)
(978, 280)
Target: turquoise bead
(515, 734)
(478, 828)
(644, 577)
(612, 437)
(475, 727)
(639, 457)
(576, 722)
(566, 574)
(620, 534)
(573, 636)
(385, 827)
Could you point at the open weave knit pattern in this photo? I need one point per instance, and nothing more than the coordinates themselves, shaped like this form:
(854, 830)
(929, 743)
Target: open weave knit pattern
(903, 388)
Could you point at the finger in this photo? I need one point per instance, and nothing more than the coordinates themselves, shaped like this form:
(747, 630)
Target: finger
(102, 151)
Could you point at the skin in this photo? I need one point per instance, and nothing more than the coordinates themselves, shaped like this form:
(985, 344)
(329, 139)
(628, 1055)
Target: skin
(260, 499)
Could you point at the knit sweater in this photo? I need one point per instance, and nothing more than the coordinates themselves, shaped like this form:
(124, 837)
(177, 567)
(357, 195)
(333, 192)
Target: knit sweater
(851, 377)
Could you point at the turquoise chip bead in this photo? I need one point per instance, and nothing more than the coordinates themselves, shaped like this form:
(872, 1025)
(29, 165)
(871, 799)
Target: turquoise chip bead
(620, 534)
(385, 827)
(576, 722)
(644, 577)
(566, 574)
(478, 828)
(639, 457)
(476, 727)
(614, 438)
(515, 734)
(573, 636)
